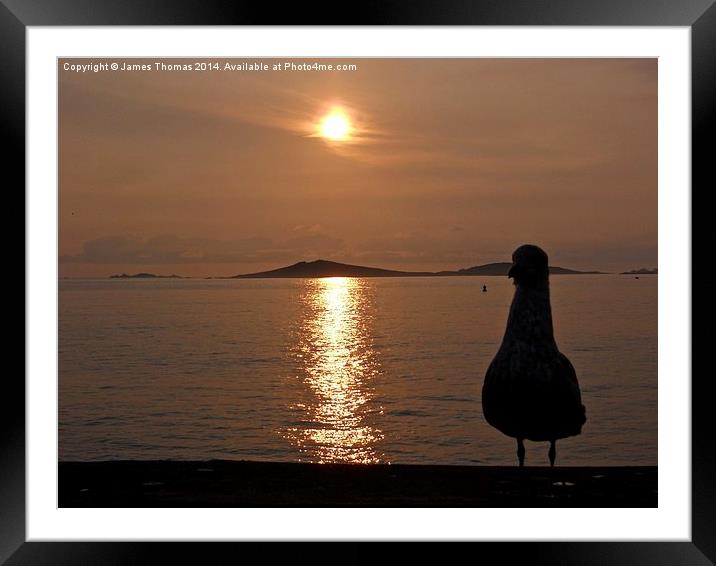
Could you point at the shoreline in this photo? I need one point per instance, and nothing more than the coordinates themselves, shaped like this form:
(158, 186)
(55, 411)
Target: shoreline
(242, 483)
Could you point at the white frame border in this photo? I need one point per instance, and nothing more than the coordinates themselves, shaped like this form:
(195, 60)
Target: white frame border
(670, 521)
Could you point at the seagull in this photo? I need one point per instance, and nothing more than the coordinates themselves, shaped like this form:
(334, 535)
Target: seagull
(531, 389)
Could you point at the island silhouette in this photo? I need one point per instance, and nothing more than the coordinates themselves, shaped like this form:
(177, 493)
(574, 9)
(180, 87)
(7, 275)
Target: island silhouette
(145, 276)
(641, 271)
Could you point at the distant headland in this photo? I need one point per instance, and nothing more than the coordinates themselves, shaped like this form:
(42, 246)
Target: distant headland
(324, 268)
(642, 271)
(145, 276)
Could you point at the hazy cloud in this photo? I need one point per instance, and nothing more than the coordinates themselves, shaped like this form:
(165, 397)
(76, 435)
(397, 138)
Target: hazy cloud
(170, 249)
(455, 162)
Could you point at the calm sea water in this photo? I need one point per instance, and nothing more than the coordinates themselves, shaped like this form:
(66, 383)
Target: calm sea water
(350, 370)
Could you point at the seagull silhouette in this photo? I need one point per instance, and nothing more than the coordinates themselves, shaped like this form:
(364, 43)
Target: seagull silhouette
(531, 389)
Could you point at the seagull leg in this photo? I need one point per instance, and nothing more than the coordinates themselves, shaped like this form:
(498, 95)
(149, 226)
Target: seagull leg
(552, 452)
(521, 452)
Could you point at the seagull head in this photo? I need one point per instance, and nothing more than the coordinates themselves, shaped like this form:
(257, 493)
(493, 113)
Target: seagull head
(529, 265)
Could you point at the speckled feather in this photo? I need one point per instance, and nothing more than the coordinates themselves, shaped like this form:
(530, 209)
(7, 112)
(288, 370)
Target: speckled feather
(531, 389)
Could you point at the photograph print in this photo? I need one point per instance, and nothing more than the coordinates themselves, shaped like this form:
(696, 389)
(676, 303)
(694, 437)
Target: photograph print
(371, 282)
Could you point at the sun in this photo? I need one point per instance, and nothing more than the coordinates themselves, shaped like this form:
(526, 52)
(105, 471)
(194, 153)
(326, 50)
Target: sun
(335, 126)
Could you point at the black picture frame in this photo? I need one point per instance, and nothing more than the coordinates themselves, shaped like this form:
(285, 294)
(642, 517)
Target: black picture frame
(16, 15)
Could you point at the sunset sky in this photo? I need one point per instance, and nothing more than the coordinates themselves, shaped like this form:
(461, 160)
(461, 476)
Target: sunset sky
(440, 164)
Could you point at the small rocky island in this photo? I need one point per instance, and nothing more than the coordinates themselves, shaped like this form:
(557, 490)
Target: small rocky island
(642, 271)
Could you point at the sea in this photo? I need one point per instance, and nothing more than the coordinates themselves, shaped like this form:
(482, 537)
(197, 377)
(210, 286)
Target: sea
(355, 370)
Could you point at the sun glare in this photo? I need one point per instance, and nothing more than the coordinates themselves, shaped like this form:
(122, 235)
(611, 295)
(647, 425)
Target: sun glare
(335, 126)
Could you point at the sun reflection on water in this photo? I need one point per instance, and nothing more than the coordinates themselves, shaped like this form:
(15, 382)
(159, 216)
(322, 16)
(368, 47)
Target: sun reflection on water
(337, 363)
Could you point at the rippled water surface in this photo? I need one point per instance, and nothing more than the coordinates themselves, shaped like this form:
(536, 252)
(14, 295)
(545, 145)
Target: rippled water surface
(340, 369)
